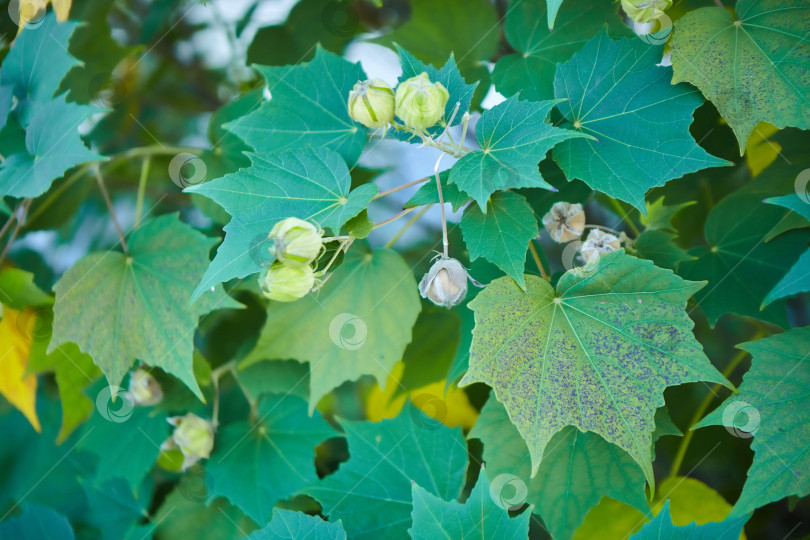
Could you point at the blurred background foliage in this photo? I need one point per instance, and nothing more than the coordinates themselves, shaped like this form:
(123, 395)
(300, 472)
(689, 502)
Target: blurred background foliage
(171, 73)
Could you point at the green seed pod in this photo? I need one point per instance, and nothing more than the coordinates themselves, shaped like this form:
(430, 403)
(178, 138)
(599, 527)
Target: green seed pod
(287, 284)
(445, 284)
(419, 102)
(144, 388)
(645, 11)
(371, 103)
(295, 242)
(193, 436)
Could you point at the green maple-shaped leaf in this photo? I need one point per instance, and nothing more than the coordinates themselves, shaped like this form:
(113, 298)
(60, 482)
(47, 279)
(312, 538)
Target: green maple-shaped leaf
(659, 246)
(428, 193)
(502, 234)
(514, 137)
(753, 64)
(434, 30)
(772, 406)
(358, 324)
(539, 50)
(52, 146)
(135, 305)
(184, 514)
(596, 353)
(740, 266)
(479, 518)
(639, 121)
(74, 371)
(662, 528)
(371, 493)
(18, 290)
(308, 107)
(36, 64)
(254, 466)
(797, 280)
(298, 526)
(577, 470)
(37, 521)
(307, 184)
(125, 440)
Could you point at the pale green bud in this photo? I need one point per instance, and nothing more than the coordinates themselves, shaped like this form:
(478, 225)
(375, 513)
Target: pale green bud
(193, 436)
(144, 388)
(287, 284)
(295, 242)
(645, 11)
(371, 103)
(419, 102)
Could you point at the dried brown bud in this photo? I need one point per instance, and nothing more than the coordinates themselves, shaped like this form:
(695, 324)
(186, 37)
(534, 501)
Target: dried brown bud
(445, 284)
(564, 222)
(598, 243)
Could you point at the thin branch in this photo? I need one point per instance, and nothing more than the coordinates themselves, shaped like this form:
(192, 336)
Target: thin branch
(719, 4)
(107, 200)
(445, 242)
(537, 261)
(145, 164)
(407, 226)
(21, 212)
(396, 217)
(393, 190)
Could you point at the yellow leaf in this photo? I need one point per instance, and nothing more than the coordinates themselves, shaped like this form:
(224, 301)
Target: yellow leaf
(33, 10)
(759, 151)
(20, 389)
(451, 408)
(62, 9)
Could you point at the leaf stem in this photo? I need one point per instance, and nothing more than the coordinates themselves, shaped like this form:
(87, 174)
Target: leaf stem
(407, 226)
(396, 217)
(608, 229)
(687, 438)
(20, 212)
(445, 241)
(624, 215)
(393, 190)
(537, 260)
(100, 179)
(145, 164)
